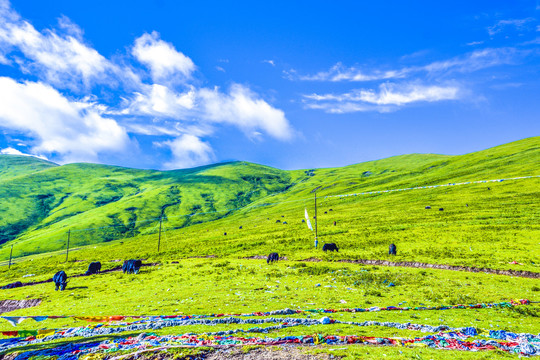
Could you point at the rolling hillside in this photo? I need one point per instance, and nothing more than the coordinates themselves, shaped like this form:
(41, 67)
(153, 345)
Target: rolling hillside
(40, 201)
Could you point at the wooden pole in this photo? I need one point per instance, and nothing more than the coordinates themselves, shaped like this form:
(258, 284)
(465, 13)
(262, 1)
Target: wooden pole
(316, 240)
(10, 253)
(159, 237)
(67, 248)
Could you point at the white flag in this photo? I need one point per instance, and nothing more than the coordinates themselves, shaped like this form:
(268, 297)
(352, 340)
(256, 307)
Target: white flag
(308, 222)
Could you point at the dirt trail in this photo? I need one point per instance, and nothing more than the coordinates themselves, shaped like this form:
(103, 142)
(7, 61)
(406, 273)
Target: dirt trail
(412, 264)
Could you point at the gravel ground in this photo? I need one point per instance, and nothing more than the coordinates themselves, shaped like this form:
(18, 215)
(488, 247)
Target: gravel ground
(267, 353)
(285, 352)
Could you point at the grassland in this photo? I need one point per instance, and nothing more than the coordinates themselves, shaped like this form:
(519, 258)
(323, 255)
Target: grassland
(202, 270)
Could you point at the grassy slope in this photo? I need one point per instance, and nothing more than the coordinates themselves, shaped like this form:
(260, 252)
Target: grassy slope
(38, 208)
(122, 203)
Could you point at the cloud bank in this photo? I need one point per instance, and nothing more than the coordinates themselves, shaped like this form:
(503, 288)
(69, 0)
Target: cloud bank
(151, 90)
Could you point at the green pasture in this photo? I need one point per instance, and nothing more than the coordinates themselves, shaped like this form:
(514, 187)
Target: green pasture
(40, 203)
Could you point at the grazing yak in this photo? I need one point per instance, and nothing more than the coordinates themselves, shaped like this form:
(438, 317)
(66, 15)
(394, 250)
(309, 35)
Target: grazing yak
(272, 257)
(131, 266)
(93, 268)
(428, 207)
(330, 247)
(60, 280)
(392, 250)
(12, 285)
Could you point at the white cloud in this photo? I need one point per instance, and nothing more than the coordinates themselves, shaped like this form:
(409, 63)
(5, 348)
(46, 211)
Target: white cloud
(271, 62)
(219, 68)
(73, 130)
(158, 100)
(473, 61)
(474, 43)
(339, 72)
(388, 97)
(60, 59)
(163, 60)
(501, 25)
(200, 109)
(476, 60)
(189, 151)
(12, 151)
(243, 108)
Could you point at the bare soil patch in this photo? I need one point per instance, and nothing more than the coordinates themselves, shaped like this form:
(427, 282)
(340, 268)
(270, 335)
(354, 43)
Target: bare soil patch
(11, 305)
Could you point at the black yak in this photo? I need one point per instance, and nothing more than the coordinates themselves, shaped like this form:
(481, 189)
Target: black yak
(330, 247)
(60, 280)
(93, 268)
(272, 257)
(428, 207)
(392, 250)
(131, 266)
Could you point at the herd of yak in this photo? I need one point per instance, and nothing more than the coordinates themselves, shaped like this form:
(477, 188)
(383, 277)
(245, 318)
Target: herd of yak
(60, 278)
(133, 267)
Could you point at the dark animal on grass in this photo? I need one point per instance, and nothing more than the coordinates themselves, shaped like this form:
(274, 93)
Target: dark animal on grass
(303, 220)
(278, 221)
(93, 268)
(131, 266)
(12, 285)
(60, 280)
(224, 234)
(284, 223)
(330, 247)
(240, 228)
(325, 212)
(428, 207)
(392, 250)
(335, 223)
(272, 257)
(441, 209)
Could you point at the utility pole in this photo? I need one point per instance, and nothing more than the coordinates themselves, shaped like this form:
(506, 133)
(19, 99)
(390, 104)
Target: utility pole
(67, 248)
(316, 241)
(159, 237)
(10, 253)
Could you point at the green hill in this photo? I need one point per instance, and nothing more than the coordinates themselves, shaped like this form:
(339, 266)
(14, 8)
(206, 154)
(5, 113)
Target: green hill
(40, 202)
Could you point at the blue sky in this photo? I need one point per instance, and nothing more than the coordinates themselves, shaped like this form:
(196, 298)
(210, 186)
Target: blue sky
(168, 84)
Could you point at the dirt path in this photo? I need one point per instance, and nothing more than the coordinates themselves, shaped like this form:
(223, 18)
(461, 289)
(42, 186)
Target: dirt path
(412, 264)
